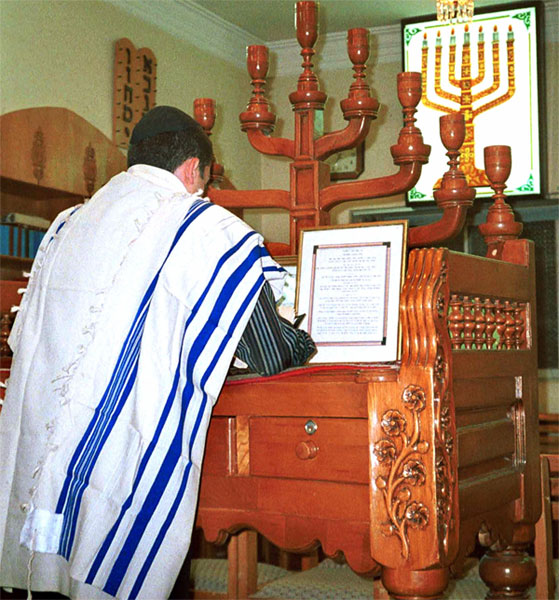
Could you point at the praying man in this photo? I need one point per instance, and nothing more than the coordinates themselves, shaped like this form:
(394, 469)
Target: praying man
(138, 301)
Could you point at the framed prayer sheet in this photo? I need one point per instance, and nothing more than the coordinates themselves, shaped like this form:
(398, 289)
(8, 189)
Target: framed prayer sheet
(349, 281)
(489, 69)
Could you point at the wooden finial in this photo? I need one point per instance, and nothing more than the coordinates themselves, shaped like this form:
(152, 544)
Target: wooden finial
(359, 101)
(410, 144)
(204, 113)
(307, 94)
(257, 114)
(454, 190)
(500, 225)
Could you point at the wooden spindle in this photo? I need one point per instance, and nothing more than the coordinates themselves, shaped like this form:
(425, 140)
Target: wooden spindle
(456, 321)
(489, 323)
(410, 144)
(469, 323)
(480, 324)
(519, 320)
(500, 319)
(510, 326)
(306, 20)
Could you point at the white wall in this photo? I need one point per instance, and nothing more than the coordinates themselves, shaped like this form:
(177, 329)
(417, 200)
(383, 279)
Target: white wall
(61, 53)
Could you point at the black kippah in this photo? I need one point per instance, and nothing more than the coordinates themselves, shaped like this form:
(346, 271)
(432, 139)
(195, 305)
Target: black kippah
(162, 119)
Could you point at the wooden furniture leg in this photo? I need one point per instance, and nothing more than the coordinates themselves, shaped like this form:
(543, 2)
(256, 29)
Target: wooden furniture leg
(379, 591)
(309, 561)
(415, 585)
(509, 573)
(242, 565)
(543, 547)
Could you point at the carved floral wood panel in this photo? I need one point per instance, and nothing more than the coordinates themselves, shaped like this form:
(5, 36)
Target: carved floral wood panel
(412, 429)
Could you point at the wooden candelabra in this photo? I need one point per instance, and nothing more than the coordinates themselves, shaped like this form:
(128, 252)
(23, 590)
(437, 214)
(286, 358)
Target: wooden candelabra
(311, 194)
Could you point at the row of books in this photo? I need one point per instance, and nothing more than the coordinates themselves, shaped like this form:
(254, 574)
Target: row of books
(21, 234)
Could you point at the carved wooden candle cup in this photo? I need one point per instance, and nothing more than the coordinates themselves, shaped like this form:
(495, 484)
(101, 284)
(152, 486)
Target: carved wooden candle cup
(454, 190)
(257, 61)
(453, 131)
(500, 225)
(204, 113)
(410, 144)
(409, 89)
(257, 115)
(359, 101)
(306, 22)
(498, 163)
(358, 45)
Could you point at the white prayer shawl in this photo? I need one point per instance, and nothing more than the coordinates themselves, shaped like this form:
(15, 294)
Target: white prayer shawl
(136, 303)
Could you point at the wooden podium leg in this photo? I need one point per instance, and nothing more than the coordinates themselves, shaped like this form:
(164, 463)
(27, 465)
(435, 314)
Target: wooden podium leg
(508, 573)
(543, 550)
(242, 559)
(309, 561)
(415, 585)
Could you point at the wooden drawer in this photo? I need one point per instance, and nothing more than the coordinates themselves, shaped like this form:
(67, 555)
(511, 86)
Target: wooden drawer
(336, 451)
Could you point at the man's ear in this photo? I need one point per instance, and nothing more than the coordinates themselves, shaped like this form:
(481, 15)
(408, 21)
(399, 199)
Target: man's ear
(187, 172)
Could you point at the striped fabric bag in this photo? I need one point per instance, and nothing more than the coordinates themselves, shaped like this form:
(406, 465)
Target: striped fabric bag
(136, 304)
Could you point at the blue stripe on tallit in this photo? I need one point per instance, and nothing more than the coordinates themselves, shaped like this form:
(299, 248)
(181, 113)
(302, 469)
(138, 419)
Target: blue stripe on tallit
(105, 415)
(175, 449)
(76, 208)
(176, 503)
(110, 406)
(167, 407)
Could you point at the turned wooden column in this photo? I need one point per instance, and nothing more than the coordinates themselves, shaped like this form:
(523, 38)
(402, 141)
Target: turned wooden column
(415, 585)
(511, 572)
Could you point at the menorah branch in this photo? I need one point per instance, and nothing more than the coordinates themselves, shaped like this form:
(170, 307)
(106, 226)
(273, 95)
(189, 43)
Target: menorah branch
(270, 145)
(348, 137)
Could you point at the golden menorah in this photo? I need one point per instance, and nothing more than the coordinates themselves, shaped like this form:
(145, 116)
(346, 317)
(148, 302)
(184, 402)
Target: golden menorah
(467, 95)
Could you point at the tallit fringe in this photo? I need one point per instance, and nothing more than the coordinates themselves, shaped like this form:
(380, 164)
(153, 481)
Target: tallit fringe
(30, 572)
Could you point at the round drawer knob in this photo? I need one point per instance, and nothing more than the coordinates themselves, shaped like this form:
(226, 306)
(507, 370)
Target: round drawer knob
(310, 427)
(306, 450)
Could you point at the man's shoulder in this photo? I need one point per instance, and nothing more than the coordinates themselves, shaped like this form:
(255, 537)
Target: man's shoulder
(224, 219)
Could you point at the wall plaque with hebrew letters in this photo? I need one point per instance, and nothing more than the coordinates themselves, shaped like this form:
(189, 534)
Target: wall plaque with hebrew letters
(135, 76)
(349, 282)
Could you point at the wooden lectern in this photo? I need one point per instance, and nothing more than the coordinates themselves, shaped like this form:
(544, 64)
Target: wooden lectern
(399, 465)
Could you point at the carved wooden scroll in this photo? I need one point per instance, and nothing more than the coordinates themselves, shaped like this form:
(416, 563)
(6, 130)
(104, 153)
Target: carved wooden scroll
(89, 169)
(134, 88)
(38, 155)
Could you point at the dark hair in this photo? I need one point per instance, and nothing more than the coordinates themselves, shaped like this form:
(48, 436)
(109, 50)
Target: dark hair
(170, 149)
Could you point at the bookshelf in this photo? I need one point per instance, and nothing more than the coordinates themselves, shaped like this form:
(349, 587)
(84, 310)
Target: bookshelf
(51, 159)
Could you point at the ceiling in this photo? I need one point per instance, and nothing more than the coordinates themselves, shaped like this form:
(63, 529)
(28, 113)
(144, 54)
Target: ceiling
(273, 20)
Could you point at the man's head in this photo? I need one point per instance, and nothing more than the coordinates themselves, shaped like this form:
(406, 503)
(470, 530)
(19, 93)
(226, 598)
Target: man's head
(168, 138)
